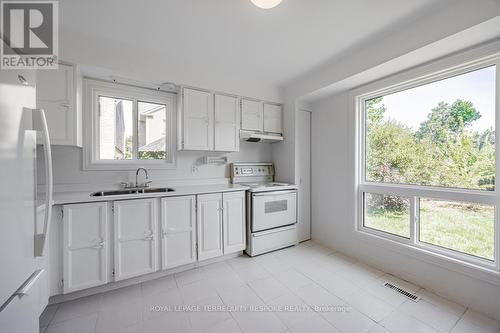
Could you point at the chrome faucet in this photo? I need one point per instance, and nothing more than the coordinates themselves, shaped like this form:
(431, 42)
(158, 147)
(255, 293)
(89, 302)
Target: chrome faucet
(146, 183)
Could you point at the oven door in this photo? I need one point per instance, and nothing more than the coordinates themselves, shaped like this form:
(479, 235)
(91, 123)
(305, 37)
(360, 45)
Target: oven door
(273, 209)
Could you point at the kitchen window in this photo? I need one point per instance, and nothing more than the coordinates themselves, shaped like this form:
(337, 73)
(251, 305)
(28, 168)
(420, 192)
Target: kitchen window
(426, 164)
(128, 127)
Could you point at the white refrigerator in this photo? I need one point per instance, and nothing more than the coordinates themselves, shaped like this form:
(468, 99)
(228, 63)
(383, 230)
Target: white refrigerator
(23, 249)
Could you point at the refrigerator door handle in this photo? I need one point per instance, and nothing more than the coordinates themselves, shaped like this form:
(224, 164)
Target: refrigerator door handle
(41, 238)
(24, 289)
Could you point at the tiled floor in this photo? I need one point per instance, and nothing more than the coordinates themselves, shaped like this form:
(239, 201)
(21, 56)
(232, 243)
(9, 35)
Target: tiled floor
(307, 288)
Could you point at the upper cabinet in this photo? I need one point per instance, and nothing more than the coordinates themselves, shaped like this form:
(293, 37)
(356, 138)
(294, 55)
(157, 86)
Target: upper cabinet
(227, 123)
(209, 121)
(273, 122)
(259, 116)
(252, 115)
(58, 92)
(198, 120)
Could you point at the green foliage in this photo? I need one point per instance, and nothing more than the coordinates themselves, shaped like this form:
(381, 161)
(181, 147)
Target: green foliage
(442, 152)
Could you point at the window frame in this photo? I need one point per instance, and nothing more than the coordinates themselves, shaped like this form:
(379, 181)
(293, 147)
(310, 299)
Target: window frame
(93, 89)
(433, 72)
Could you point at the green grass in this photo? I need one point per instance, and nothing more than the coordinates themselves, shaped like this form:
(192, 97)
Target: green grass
(461, 227)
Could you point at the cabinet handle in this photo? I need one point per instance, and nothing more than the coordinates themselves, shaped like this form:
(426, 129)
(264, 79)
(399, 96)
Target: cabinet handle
(99, 245)
(149, 238)
(66, 105)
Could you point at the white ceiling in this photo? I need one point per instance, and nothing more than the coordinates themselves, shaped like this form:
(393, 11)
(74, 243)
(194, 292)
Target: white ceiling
(229, 37)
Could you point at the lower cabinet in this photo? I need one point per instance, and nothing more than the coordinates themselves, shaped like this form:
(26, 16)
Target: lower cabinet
(178, 229)
(233, 226)
(129, 237)
(209, 216)
(85, 246)
(135, 237)
(221, 224)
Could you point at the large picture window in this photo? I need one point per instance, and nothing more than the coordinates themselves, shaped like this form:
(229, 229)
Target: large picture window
(128, 126)
(427, 163)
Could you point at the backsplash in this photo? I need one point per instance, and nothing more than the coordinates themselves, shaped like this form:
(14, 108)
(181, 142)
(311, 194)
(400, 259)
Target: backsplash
(69, 176)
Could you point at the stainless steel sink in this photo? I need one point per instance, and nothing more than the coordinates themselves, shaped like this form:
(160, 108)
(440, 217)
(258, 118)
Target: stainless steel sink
(141, 190)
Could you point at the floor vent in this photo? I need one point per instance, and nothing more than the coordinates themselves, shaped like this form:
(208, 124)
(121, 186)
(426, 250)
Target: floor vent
(403, 292)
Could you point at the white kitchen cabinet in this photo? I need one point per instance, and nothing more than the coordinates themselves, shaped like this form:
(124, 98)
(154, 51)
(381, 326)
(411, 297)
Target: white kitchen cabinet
(273, 122)
(178, 223)
(58, 92)
(227, 123)
(252, 115)
(85, 246)
(234, 222)
(135, 237)
(197, 120)
(209, 222)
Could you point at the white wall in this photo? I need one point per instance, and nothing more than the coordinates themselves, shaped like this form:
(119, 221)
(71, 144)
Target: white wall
(333, 214)
(68, 173)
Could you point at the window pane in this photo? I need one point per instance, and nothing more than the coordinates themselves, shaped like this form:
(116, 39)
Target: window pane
(387, 213)
(459, 226)
(438, 134)
(152, 131)
(115, 128)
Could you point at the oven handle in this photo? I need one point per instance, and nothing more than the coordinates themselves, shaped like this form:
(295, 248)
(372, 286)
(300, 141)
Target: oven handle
(273, 193)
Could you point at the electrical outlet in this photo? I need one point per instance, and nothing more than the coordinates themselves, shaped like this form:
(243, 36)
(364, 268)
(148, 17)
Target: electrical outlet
(194, 169)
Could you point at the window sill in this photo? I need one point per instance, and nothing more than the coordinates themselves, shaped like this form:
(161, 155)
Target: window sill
(117, 166)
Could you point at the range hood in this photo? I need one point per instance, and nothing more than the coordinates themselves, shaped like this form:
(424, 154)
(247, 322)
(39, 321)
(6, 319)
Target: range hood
(250, 136)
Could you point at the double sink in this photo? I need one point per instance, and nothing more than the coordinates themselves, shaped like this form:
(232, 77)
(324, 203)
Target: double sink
(138, 190)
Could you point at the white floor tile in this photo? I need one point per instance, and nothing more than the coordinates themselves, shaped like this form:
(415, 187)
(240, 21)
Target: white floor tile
(258, 322)
(378, 329)
(292, 279)
(268, 288)
(77, 308)
(291, 309)
(225, 281)
(118, 317)
(190, 276)
(207, 316)
(370, 305)
(252, 272)
(172, 322)
(227, 326)
(441, 302)
(121, 295)
(473, 322)
(242, 295)
(337, 285)
(347, 319)
(157, 305)
(400, 322)
(315, 324)
(193, 292)
(84, 324)
(159, 285)
(360, 274)
(315, 295)
(430, 314)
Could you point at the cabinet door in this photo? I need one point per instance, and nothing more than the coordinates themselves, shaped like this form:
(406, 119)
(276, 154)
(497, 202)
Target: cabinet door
(135, 233)
(198, 119)
(55, 93)
(227, 123)
(273, 122)
(85, 246)
(234, 222)
(178, 231)
(209, 220)
(252, 117)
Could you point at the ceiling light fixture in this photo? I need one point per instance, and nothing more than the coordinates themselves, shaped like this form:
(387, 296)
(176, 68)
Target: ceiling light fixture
(266, 4)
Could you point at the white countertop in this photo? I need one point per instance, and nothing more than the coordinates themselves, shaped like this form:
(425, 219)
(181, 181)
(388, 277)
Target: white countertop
(60, 198)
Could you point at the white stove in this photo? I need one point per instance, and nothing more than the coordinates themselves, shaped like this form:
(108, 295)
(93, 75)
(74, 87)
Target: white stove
(271, 208)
